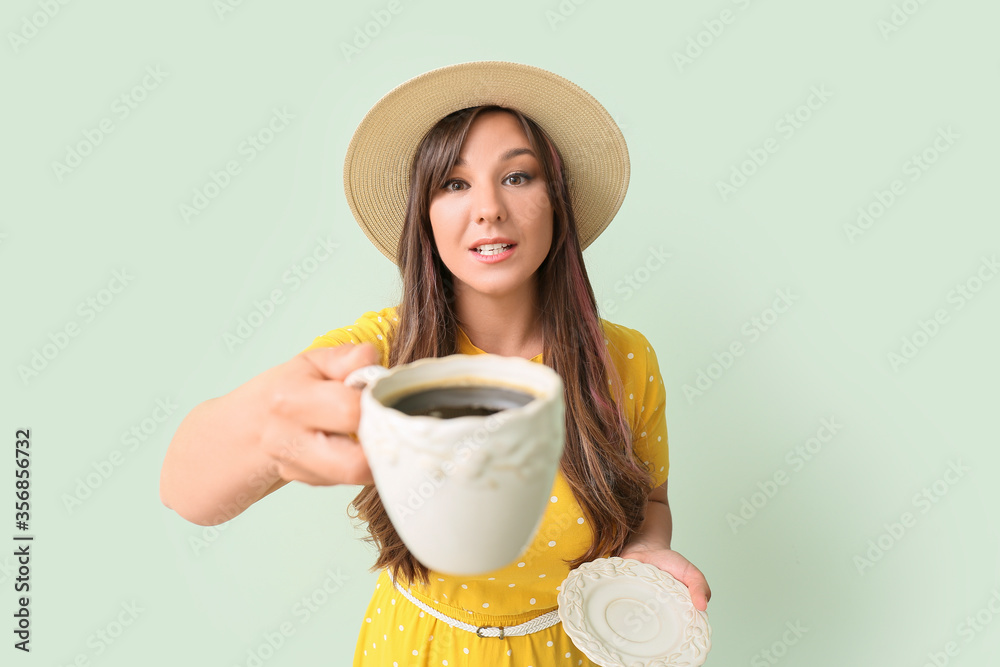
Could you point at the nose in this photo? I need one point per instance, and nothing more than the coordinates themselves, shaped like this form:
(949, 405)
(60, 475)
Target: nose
(488, 204)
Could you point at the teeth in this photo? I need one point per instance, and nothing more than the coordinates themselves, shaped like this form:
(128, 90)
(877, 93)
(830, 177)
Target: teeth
(492, 248)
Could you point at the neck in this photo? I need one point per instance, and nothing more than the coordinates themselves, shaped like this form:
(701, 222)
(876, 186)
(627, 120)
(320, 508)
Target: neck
(506, 324)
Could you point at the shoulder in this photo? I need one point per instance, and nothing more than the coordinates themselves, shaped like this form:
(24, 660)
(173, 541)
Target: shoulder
(627, 347)
(634, 359)
(374, 326)
(644, 396)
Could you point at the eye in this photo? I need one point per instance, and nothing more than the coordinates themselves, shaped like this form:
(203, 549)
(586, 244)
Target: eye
(523, 177)
(447, 185)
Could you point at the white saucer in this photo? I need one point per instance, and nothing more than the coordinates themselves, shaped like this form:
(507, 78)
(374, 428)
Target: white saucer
(624, 613)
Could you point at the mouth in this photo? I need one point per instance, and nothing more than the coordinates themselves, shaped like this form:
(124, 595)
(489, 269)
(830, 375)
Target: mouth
(490, 249)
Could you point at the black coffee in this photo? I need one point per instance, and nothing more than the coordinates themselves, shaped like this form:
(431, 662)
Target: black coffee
(447, 402)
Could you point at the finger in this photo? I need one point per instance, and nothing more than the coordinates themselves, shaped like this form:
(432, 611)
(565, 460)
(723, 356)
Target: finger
(325, 405)
(320, 459)
(698, 586)
(700, 595)
(335, 363)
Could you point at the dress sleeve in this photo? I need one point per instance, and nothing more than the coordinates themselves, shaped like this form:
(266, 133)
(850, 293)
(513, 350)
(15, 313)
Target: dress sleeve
(373, 327)
(651, 439)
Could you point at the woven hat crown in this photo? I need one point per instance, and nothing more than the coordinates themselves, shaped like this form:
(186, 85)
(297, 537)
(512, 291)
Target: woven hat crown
(380, 154)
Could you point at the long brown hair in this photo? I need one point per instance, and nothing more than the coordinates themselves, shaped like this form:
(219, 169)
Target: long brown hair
(609, 484)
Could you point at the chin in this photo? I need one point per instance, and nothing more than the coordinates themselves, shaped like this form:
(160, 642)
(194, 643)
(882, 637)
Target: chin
(494, 288)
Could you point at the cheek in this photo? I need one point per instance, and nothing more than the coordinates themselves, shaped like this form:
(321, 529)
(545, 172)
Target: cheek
(434, 213)
(535, 205)
(544, 225)
(437, 228)
(442, 215)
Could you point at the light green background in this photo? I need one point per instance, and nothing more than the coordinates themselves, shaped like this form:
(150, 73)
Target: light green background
(687, 127)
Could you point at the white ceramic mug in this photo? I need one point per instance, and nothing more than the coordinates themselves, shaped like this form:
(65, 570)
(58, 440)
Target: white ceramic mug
(465, 494)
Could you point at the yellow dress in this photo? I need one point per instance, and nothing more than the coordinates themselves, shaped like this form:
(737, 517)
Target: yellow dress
(396, 633)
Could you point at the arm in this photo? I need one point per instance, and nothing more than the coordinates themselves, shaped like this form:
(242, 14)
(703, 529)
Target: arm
(651, 544)
(658, 525)
(213, 469)
(288, 423)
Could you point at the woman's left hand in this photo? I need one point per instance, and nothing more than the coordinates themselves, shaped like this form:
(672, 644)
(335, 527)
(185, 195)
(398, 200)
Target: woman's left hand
(678, 566)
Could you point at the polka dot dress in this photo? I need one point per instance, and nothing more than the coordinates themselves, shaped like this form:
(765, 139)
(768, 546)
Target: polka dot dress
(395, 632)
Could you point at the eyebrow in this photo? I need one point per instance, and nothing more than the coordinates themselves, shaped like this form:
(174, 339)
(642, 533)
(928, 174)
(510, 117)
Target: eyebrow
(512, 153)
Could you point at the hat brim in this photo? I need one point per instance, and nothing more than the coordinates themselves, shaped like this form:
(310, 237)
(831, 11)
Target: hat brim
(379, 156)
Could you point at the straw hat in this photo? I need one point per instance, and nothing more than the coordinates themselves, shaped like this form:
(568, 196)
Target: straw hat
(377, 166)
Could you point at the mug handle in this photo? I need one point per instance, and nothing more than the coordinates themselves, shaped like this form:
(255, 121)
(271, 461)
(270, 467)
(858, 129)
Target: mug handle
(364, 376)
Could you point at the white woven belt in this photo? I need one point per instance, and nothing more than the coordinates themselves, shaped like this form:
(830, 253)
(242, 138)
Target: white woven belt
(542, 622)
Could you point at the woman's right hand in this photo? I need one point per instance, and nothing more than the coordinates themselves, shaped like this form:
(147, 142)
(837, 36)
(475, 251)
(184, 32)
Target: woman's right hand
(308, 412)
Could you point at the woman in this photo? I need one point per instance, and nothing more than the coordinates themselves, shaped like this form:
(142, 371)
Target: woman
(512, 171)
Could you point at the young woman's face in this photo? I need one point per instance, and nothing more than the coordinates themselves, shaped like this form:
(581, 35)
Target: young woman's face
(492, 221)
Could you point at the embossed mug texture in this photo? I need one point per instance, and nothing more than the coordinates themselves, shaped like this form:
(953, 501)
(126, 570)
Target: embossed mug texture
(465, 494)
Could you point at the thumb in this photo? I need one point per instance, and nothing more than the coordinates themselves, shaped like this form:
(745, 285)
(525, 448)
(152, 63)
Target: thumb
(700, 595)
